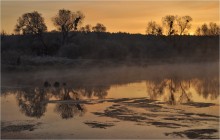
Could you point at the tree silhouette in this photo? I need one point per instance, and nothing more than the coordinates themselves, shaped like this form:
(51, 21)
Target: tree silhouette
(154, 29)
(32, 23)
(214, 29)
(99, 28)
(3, 34)
(184, 23)
(65, 21)
(87, 28)
(168, 22)
(211, 29)
(204, 29)
(198, 31)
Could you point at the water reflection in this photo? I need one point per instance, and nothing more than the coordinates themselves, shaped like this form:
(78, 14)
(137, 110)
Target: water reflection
(175, 90)
(98, 91)
(65, 109)
(207, 87)
(33, 101)
(30, 101)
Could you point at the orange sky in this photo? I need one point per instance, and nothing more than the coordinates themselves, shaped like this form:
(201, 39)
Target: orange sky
(125, 16)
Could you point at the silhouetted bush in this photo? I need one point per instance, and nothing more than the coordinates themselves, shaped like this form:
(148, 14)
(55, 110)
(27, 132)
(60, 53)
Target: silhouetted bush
(53, 48)
(70, 51)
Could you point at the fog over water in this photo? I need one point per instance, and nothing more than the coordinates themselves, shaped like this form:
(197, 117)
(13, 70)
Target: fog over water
(171, 100)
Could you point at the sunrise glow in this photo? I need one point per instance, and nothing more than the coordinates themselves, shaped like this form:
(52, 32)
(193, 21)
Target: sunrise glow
(123, 16)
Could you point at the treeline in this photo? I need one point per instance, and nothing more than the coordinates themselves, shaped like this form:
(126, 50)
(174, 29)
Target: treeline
(71, 40)
(66, 21)
(119, 46)
(180, 25)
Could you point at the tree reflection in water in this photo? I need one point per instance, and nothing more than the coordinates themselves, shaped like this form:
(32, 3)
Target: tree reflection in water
(30, 101)
(175, 90)
(67, 109)
(33, 101)
(208, 87)
(97, 91)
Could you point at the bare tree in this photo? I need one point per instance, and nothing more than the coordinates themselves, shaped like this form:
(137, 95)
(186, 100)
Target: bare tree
(99, 28)
(184, 23)
(65, 21)
(154, 29)
(168, 22)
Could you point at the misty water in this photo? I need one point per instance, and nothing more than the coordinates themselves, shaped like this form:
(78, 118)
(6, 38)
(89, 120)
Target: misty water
(158, 101)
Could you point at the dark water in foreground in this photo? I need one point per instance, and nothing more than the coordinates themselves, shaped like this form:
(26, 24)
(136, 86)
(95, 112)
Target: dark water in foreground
(117, 103)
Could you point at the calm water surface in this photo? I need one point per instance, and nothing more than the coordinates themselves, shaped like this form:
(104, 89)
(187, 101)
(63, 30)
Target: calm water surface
(167, 106)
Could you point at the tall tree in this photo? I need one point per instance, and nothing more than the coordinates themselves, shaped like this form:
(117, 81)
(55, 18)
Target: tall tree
(33, 24)
(99, 28)
(65, 21)
(184, 23)
(30, 23)
(154, 29)
(168, 22)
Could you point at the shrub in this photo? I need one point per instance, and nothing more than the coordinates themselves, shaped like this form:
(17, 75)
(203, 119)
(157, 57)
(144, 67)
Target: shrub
(69, 51)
